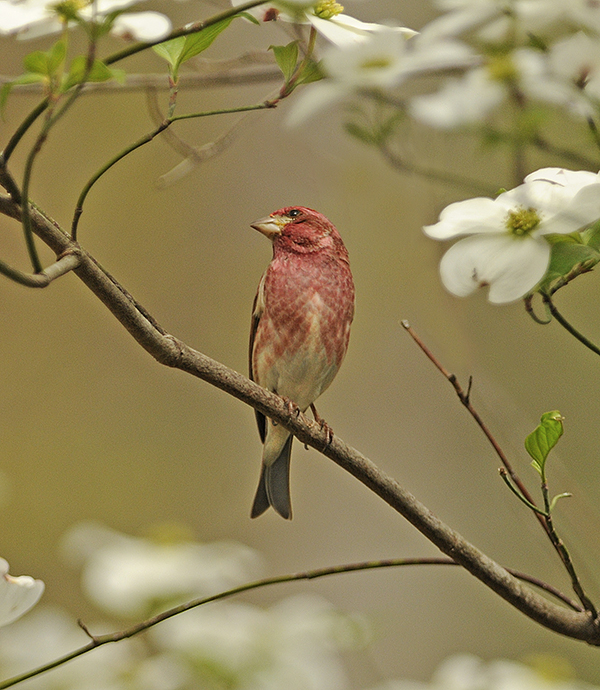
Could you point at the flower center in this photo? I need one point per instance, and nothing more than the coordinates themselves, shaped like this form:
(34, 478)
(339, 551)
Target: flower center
(326, 9)
(376, 63)
(68, 10)
(522, 221)
(502, 68)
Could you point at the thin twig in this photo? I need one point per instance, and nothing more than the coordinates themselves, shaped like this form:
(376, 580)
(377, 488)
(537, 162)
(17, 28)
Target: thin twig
(100, 640)
(564, 553)
(465, 400)
(566, 154)
(435, 175)
(542, 516)
(147, 138)
(569, 327)
(67, 262)
(53, 116)
(528, 301)
(518, 494)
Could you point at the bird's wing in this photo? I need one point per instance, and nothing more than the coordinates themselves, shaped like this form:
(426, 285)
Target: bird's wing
(257, 310)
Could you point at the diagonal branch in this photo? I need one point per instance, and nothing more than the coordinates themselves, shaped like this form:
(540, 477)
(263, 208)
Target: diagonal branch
(170, 351)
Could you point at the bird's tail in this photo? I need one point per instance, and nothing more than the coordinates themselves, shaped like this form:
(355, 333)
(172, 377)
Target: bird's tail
(274, 485)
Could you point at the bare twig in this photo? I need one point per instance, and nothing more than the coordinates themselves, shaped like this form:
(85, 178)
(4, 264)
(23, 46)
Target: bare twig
(568, 326)
(101, 640)
(543, 516)
(449, 178)
(147, 138)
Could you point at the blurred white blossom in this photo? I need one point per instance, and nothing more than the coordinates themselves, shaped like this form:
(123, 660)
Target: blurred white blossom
(49, 633)
(34, 18)
(469, 99)
(293, 645)
(128, 576)
(383, 61)
(506, 248)
(499, 20)
(17, 594)
(467, 672)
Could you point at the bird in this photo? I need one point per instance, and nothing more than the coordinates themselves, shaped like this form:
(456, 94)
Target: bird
(301, 319)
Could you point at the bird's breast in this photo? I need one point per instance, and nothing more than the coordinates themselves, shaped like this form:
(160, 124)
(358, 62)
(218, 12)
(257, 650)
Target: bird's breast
(303, 332)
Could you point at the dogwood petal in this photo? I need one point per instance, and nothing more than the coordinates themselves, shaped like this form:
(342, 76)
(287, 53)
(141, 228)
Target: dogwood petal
(582, 210)
(142, 26)
(479, 215)
(17, 594)
(511, 268)
(323, 94)
(344, 30)
(460, 101)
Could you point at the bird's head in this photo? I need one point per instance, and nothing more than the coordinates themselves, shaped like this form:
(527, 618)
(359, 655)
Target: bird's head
(298, 228)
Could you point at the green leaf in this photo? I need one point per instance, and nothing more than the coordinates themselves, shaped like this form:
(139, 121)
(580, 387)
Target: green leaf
(197, 43)
(98, 72)
(27, 78)
(565, 256)
(170, 50)
(56, 56)
(310, 72)
(179, 50)
(286, 58)
(591, 236)
(360, 132)
(249, 17)
(36, 62)
(543, 438)
(101, 26)
(48, 63)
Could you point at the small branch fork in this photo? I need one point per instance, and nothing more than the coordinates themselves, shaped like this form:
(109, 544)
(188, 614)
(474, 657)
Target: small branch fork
(100, 640)
(544, 516)
(67, 262)
(553, 312)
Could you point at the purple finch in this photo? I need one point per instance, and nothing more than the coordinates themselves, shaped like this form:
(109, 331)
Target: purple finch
(300, 329)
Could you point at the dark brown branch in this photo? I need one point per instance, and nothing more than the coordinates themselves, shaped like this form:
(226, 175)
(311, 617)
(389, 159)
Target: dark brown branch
(170, 351)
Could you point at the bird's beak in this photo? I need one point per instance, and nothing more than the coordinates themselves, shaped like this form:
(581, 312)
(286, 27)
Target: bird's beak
(271, 226)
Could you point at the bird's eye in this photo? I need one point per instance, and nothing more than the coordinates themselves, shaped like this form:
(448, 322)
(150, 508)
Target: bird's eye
(294, 213)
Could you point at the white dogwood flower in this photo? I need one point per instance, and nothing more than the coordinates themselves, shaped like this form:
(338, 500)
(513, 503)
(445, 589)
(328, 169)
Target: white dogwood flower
(326, 16)
(17, 594)
(506, 248)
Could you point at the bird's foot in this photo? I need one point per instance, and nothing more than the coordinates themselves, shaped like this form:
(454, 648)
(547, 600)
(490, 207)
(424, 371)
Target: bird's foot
(292, 408)
(322, 424)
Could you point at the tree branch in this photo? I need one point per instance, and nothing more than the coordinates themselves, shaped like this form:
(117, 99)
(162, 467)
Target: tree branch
(170, 351)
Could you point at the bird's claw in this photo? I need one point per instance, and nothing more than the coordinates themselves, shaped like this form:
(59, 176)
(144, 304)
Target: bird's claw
(322, 425)
(292, 408)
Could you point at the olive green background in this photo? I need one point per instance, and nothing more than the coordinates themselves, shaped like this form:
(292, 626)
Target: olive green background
(92, 428)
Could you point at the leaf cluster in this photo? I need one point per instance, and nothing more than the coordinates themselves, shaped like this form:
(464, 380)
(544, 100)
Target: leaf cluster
(49, 68)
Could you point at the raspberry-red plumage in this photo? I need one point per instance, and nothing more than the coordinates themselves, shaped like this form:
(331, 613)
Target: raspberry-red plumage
(300, 330)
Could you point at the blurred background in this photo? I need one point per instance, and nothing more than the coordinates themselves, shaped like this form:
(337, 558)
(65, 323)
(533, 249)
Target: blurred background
(93, 429)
